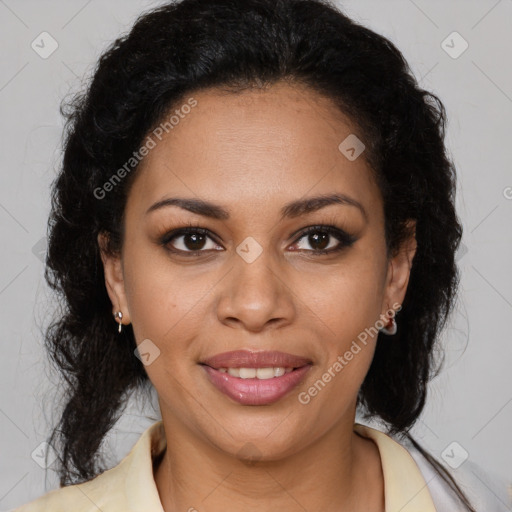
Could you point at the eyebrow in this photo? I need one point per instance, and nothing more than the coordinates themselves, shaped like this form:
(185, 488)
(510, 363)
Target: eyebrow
(291, 210)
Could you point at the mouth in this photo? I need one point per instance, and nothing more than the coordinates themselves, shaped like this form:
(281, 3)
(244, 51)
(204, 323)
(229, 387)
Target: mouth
(249, 360)
(255, 378)
(263, 373)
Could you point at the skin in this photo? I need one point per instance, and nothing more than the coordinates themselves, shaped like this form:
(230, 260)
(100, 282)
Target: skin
(252, 153)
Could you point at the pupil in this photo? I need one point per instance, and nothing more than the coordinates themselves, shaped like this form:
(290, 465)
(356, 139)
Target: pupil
(197, 241)
(323, 238)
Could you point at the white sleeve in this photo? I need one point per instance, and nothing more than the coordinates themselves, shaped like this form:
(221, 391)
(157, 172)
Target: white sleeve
(487, 492)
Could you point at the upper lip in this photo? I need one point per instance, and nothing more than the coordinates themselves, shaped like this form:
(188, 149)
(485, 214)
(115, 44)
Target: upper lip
(250, 359)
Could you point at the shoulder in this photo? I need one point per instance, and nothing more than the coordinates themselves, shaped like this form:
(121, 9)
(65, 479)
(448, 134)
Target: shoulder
(128, 486)
(485, 490)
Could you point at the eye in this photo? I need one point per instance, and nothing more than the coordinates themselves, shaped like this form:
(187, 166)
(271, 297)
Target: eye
(192, 240)
(323, 239)
(189, 240)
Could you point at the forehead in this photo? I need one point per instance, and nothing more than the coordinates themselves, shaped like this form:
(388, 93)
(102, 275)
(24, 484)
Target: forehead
(251, 147)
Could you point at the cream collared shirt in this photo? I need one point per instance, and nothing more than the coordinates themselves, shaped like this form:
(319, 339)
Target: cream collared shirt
(130, 486)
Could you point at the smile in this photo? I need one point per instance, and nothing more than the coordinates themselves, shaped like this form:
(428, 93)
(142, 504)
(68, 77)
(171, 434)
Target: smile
(258, 373)
(256, 377)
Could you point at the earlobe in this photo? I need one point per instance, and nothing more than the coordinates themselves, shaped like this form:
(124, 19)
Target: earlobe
(114, 279)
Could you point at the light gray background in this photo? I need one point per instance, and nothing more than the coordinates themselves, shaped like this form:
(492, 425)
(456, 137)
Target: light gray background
(470, 402)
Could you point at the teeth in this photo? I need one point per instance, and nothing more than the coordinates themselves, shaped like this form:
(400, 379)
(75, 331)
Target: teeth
(259, 373)
(265, 373)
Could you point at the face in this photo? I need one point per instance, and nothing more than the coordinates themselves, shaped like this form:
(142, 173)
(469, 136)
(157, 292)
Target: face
(260, 275)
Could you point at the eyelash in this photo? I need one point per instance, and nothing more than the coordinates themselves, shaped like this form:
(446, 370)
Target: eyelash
(345, 239)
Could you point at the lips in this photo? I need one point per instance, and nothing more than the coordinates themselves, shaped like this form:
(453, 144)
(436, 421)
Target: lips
(290, 370)
(249, 359)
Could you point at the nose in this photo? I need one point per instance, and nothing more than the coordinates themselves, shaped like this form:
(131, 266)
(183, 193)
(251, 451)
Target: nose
(255, 296)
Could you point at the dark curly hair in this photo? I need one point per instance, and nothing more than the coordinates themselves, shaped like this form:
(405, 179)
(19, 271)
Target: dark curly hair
(190, 45)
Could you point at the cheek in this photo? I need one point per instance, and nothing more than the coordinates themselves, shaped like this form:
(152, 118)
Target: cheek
(155, 297)
(346, 306)
(346, 300)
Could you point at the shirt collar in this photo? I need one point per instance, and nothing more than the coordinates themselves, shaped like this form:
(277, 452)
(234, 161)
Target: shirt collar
(405, 489)
(140, 487)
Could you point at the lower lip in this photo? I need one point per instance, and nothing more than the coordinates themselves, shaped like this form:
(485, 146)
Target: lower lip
(256, 391)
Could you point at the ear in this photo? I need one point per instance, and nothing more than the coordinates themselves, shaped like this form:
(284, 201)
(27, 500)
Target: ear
(114, 280)
(399, 269)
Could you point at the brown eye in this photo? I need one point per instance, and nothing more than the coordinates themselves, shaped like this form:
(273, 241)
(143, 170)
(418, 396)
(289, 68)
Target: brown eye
(189, 240)
(319, 240)
(322, 239)
(193, 241)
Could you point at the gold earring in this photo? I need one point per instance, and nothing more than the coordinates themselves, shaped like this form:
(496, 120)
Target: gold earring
(119, 315)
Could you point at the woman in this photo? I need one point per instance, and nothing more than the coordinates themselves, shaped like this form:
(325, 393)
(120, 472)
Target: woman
(255, 216)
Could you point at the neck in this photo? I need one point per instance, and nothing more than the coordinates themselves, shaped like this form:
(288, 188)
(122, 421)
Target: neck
(330, 474)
